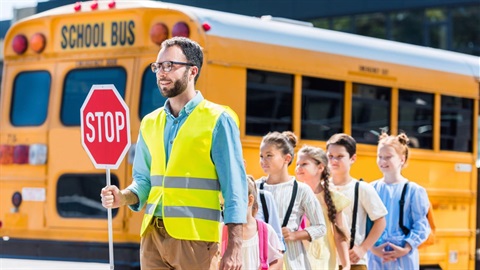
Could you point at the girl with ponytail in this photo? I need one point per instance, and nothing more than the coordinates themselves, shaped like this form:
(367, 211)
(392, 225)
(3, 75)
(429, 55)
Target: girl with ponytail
(312, 169)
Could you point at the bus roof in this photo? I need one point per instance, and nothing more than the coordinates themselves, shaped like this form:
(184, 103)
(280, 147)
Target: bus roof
(281, 33)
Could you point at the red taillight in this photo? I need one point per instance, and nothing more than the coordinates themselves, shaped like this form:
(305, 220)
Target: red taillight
(20, 154)
(206, 26)
(77, 6)
(38, 42)
(180, 29)
(19, 44)
(111, 4)
(6, 154)
(94, 5)
(158, 33)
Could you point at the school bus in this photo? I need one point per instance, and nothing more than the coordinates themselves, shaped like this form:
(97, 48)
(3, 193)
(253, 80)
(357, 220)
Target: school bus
(277, 75)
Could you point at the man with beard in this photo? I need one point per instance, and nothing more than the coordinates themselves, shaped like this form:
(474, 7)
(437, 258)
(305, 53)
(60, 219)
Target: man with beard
(187, 152)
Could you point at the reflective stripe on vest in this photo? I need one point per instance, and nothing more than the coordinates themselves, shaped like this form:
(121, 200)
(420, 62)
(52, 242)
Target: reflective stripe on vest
(188, 187)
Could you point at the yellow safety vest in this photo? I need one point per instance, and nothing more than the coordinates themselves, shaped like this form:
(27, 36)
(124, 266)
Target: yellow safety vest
(188, 186)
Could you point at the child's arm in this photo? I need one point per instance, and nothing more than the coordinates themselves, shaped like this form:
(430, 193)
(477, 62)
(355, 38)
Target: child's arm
(341, 244)
(357, 252)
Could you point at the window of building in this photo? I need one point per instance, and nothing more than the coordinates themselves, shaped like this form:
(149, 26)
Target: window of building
(370, 112)
(269, 102)
(344, 24)
(150, 97)
(78, 195)
(437, 28)
(372, 25)
(456, 124)
(407, 26)
(30, 96)
(322, 108)
(466, 29)
(79, 82)
(415, 117)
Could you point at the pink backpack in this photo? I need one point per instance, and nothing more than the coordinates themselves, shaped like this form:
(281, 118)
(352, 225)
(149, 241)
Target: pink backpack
(262, 242)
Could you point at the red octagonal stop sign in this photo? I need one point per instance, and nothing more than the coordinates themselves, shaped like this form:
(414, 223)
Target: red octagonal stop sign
(105, 126)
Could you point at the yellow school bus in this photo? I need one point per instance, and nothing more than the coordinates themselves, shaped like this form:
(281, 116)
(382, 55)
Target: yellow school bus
(277, 74)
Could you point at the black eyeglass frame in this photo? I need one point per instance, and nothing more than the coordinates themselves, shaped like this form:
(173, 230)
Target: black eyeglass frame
(156, 66)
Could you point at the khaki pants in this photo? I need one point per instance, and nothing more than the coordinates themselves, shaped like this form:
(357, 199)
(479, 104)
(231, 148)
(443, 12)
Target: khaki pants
(356, 267)
(158, 251)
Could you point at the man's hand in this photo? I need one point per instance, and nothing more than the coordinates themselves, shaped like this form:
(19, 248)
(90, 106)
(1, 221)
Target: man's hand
(112, 197)
(232, 258)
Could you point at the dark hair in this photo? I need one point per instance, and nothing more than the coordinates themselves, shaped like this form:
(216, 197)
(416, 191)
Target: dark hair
(320, 157)
(285, 141)
(344, 140)
(191, 49)
(399, 143)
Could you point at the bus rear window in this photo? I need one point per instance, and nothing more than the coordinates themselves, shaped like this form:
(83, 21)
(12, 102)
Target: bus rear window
(78, 195)
(370, 112)
(269, 102)
(322, 108)
(79, 82)
(150, 97)
(30, 97)
(456, 124)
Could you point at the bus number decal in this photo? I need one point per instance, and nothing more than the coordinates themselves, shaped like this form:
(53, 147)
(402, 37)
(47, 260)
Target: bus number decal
(95, 35)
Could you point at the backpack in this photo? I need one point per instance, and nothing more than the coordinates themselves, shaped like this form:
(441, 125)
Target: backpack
(431, 237)
(262, 242)
(290, 206)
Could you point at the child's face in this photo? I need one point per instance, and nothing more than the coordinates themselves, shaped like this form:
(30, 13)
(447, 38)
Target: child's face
(388, 160)
(271, 159)
(339, 161)
(307, 168)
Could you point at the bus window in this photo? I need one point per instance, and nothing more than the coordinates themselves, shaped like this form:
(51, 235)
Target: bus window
(30, 96)
(456, 124)
(416, 117)
(150, 97)
(269, 102)
(322, 108)
(370, 112)
(78, 195)
(77, 85)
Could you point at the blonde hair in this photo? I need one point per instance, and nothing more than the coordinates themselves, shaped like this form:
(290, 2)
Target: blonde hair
(252, 190)
(320, 157)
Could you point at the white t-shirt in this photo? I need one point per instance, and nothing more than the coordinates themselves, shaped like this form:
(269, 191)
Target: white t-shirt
(368, 202)
(251, 250)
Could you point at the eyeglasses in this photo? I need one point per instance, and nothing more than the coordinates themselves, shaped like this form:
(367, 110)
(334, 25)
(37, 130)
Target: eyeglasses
(166, 66)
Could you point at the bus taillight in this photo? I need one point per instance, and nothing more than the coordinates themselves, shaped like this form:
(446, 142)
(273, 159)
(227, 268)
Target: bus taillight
(180, 29)
(19, 44)
(158, 33)
(111, 4)
(206, 26)
(38, 42)
(6, 154)
(77, 6)
(20, 154)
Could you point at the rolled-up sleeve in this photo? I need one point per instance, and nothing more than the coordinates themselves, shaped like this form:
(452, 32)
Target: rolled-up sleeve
(228, 159)
(141, 174)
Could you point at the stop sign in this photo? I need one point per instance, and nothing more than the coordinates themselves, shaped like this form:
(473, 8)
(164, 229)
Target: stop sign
(105, 126)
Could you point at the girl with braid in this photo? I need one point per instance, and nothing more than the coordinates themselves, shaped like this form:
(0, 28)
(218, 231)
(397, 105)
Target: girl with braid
(312, 169)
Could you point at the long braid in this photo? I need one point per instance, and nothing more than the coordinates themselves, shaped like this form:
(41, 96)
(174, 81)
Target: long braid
(332, 210)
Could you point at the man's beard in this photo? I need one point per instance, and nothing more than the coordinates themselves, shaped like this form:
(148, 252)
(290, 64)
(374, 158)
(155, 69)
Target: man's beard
(178, 87)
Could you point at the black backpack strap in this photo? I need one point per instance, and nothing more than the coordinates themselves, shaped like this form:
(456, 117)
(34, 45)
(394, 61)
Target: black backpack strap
(292, 202)
(353, 230)
(405, 230)
(264, 203)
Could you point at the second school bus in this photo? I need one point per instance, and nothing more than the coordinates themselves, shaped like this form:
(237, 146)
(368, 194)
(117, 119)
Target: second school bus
(277, 75)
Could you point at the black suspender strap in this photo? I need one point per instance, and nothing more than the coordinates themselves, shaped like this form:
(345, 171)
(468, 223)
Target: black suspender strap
(405, 230)
(292, 202)
(264, 203)
(354, 216)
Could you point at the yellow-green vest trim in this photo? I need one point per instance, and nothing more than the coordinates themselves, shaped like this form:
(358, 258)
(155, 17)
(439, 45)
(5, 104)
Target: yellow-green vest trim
(188, 186)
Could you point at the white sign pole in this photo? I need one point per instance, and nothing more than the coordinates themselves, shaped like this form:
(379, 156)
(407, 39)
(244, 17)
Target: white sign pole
(110, 229)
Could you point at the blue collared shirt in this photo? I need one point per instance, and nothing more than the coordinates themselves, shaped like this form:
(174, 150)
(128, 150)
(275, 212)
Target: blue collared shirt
(226, 154)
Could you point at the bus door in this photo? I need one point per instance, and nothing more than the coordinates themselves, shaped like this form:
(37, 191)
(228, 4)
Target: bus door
(74, 182)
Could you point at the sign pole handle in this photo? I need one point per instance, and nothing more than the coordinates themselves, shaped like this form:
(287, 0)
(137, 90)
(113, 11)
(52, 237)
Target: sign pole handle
(110, 230)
